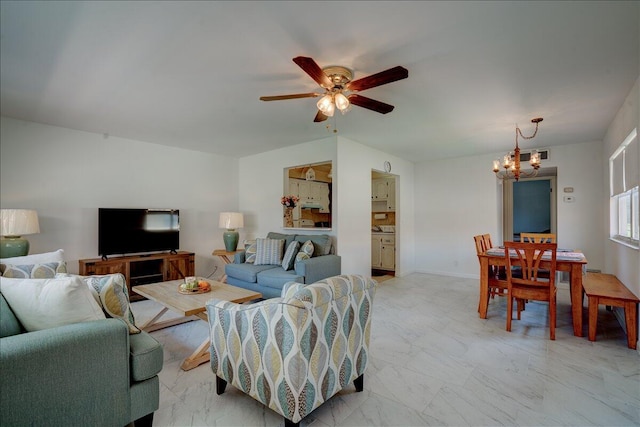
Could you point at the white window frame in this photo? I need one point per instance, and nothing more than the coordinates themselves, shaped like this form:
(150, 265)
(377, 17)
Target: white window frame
(624, 214)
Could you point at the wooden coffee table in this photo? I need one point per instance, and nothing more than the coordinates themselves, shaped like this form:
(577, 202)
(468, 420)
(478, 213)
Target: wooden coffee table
(166, 294)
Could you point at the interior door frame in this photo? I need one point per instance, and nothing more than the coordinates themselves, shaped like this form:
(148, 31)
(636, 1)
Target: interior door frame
(507, 203)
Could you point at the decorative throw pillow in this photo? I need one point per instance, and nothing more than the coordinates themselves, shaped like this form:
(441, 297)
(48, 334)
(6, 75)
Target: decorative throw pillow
(47, 303)
(289, 258)
(55, 256)
(306, 251)
(269, 251)
(249, 251)
(33, 271)
(110, 292)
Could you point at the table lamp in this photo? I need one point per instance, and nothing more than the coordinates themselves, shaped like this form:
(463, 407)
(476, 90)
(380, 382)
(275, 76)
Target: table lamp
(15, 223)
(231, 221)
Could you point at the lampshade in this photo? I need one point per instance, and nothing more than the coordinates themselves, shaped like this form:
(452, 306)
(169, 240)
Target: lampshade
(326, 105)
(18, 222)
(342, 102)
(231, 221)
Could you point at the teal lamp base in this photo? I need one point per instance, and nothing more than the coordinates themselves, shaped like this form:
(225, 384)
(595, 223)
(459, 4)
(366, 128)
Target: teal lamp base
(12, 246)
(230, 238)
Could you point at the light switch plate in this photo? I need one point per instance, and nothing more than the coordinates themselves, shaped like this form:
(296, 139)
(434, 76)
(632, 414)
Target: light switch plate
(569, 199)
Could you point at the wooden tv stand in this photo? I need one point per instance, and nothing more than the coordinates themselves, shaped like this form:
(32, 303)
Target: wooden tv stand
(142, 269)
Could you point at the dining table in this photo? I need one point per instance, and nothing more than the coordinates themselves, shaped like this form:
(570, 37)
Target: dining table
(574, 262)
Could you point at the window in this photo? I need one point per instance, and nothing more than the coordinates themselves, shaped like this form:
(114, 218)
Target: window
(623, 178)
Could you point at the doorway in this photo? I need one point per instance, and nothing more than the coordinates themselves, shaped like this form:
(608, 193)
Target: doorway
(529, 207)
(383, 225)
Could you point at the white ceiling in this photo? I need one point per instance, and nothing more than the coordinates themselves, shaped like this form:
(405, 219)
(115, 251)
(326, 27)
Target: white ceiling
(189, 74)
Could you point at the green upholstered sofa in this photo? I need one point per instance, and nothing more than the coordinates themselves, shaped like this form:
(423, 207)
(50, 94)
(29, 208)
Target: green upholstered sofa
(269, 279)
(83, 374)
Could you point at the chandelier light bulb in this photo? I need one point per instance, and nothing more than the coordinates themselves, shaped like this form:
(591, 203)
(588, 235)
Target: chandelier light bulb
(496, 165)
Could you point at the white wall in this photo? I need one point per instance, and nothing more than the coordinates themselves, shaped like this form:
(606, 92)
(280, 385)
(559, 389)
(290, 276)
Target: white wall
(620, 260)
(459, 198)
(66, 175)
(355, 162)
(261, 185)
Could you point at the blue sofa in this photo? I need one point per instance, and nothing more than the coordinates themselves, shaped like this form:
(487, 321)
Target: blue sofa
(270, 279)
(83, 374)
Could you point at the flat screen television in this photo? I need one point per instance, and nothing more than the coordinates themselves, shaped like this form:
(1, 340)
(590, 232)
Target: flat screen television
(129, 231)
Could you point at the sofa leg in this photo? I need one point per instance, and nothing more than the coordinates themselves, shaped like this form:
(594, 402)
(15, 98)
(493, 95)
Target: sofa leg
(146, 421)
(220, 385)
(359, 383)
(289, 423)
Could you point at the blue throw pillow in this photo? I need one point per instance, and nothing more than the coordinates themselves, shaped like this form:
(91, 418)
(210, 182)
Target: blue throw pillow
(289, 258)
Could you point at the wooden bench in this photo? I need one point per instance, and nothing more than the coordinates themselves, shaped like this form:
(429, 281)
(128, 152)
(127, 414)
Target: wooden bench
(607, 289)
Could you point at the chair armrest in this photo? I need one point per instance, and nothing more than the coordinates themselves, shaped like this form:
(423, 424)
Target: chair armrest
(69, 375)
(318, 268)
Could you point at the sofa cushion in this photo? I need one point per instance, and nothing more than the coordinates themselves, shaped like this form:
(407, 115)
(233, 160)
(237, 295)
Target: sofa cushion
(306, 251)
(110, 292)
(9, 324)
(269, 251)
(289, 258)
(250, 251)
(245, 272)
(55, 256)
(288, 238)
(46, 270)
(322, 243)
(146, 356)
(276, 278)
(47, 303)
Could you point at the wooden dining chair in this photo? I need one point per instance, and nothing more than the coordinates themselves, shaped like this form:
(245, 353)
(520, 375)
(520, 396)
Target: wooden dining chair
(531, 286)
(496, 286)
(538, 237)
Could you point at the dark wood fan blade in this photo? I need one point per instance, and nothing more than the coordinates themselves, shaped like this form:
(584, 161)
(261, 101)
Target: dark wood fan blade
(370, 104)
(310, 67)
(379, 79)
(292, 96)
(320, 117)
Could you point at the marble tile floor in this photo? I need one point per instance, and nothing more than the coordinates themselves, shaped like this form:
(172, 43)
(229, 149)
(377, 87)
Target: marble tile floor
(435, 362)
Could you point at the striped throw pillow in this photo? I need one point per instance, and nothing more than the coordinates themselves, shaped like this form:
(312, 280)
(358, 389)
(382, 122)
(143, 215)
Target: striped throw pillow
(269, 251)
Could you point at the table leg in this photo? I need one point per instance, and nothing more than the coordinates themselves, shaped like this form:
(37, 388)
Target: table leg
(593, 317)
(631, 320)
(201, 354)
(484, 287)
(576, 298)
(154, 325)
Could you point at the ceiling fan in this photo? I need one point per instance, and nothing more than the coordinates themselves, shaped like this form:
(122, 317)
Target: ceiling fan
(340, 90)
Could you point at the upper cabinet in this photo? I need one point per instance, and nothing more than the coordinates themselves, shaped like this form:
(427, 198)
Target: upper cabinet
(313, 185)
(383, 194)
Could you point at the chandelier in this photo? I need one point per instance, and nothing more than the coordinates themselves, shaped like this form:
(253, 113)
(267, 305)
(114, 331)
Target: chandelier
(511, 161)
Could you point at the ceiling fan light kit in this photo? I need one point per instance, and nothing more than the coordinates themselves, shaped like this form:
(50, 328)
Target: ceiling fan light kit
(339, 88)
(511, 161)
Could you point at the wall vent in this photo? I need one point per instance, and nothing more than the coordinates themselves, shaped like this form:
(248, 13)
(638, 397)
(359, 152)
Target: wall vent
(525, 155)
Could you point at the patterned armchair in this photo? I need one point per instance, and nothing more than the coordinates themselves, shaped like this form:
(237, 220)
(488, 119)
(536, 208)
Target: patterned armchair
(294, 352)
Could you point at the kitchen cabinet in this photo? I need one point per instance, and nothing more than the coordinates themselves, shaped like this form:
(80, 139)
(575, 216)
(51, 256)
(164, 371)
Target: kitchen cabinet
(383, 251)
(312, 193)
(383, 195)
